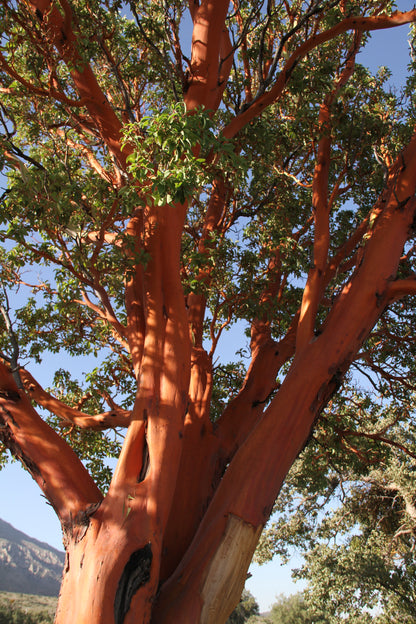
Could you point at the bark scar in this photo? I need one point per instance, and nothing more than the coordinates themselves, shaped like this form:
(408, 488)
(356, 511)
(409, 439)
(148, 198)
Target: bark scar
(9, 395)
(76, 529)
(136, 573)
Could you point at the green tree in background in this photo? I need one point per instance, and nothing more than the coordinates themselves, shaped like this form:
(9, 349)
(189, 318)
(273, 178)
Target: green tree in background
(244, 610)
(174, 169)
(349, 506)
(292, 610)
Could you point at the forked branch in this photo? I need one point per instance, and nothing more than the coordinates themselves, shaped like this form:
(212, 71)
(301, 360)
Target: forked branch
(316, 279)
(258, 105)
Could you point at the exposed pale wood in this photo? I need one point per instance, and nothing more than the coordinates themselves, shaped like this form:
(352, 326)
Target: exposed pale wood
(223, 584)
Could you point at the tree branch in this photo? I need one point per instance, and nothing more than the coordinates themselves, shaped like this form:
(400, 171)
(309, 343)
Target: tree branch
(50, 460)
(375, 436)
(258, 104)
(54, 24)
(209, 43)
(117, 417)
(400, 288)
(316, 279)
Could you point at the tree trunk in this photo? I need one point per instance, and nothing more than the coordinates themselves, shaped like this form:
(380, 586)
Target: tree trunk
(110, 570)
(109, 577)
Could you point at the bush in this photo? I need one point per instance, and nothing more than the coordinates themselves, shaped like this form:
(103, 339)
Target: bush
(11, 614)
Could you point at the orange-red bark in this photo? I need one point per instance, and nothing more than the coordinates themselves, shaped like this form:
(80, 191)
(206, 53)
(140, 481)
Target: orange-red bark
(211, 55)
(314, 287)
(51, 462)
(59, 29)
(315, 374)
(117, 417)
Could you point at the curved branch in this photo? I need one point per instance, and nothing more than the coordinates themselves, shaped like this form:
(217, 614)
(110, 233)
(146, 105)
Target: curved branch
(258, 104)
(32, 88)
(49, 459)
(375, 436)
(107, 315)
(58, 29)
(117, 417)
(316, 279)
(90, 157)
(244, 410)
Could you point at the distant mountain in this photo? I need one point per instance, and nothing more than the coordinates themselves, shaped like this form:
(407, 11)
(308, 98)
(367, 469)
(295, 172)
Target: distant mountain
(28, 566)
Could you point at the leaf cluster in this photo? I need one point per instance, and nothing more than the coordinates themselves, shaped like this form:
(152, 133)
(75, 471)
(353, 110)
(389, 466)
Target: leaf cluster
(177, 153)
(246, 608)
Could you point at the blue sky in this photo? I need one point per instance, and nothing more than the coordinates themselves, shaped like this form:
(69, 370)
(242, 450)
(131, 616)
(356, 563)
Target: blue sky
(21, 502)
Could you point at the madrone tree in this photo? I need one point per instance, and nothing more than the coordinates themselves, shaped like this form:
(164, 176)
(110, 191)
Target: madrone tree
(173, 168)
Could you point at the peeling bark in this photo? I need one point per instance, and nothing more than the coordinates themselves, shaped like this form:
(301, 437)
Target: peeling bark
(226, 572)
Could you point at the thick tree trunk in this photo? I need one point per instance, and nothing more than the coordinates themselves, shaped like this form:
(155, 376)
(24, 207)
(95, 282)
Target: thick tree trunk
(115, 547)
(109, 577)
(107, 570)
(113, 570)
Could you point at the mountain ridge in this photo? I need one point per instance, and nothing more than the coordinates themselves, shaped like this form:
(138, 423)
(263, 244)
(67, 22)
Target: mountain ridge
(28, 565)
